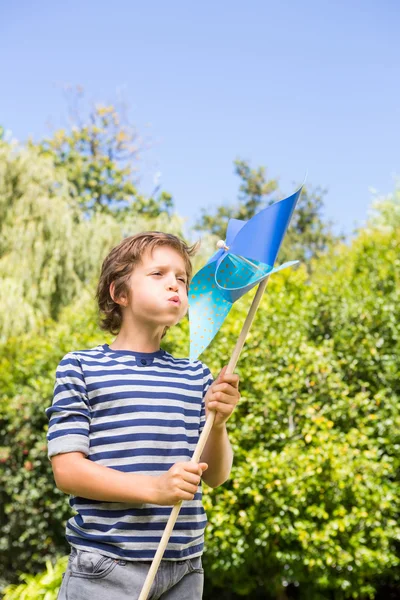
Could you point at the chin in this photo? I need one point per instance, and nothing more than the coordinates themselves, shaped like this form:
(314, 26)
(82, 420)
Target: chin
(172, 323)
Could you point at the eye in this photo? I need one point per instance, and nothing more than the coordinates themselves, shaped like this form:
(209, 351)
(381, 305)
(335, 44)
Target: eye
(157, 273)
(182, 279)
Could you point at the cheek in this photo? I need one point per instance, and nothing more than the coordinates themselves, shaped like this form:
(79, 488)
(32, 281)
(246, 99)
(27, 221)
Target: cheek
(184, 306)
(146, 294)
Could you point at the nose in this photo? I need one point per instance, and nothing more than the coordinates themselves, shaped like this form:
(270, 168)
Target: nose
(172, 283)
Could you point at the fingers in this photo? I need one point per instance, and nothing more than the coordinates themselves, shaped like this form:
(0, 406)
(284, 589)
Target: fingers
(225, 388)
(221, 374)
(190, 471)
(224, 396)
(194, 467)
(180, 482)
(193, 478)
(189, 487)
(224, 408)
(223, 393)
(189, 477)
(230, 378)
(233, 379)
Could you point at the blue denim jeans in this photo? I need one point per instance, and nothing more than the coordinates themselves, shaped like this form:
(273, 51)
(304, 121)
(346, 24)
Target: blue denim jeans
(93, 576)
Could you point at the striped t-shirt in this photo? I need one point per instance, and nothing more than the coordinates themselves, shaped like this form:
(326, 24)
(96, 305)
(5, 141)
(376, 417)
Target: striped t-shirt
(137, 413)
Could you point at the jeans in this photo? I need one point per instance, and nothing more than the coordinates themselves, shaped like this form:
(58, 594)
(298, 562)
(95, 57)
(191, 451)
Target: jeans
(93, 576)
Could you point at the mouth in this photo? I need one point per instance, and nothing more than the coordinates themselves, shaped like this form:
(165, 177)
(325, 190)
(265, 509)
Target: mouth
(175, 300)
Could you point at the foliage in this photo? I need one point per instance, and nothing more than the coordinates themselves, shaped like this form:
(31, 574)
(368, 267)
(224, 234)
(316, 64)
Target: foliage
(313, 500)
(309, 234)
(49, 250)
(385, 211)
(43, 586)
(99, 156)
(314, 496)
(253, 188)
(32, 509)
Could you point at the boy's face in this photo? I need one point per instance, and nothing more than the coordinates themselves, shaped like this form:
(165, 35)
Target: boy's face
(155, 281)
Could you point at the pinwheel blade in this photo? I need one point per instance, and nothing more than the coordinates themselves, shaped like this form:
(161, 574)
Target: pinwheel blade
(262, 236)
(207, 310)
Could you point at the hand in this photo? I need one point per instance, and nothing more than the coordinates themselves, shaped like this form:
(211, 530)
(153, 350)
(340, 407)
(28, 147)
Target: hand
(222, 396)
(180, 482)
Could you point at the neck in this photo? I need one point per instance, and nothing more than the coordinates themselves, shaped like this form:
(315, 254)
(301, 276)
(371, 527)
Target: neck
(138, 339)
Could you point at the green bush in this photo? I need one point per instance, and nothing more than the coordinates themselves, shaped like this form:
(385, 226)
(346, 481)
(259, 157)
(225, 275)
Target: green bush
(43, 586)
(313, 499)
(33, 511)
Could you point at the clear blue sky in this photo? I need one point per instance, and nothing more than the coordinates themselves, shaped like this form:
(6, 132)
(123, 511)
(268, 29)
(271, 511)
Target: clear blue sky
(295, 86)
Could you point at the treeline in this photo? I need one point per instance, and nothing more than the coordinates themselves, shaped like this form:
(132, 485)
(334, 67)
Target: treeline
(311, 510)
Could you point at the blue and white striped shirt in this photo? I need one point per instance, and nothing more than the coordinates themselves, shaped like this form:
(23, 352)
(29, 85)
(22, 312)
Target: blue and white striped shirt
(138, 413)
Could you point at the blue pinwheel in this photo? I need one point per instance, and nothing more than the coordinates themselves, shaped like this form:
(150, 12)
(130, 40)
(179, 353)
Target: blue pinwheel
(246, 258)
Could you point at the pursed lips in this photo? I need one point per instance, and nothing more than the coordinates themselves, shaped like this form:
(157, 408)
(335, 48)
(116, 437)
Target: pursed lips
(175, 299)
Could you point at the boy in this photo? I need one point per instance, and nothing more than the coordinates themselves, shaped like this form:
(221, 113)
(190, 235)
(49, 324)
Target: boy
(124, 423)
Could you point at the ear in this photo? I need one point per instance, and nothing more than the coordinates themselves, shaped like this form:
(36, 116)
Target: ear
(121, 300)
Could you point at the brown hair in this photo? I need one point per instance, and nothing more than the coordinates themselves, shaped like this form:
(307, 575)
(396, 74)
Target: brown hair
(118, 266)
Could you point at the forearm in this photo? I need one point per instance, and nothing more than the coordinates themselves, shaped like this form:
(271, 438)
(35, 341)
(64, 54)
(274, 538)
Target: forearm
(82, 477)
(218, 454)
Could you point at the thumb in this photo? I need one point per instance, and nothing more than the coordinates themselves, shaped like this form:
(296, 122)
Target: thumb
(222, 373)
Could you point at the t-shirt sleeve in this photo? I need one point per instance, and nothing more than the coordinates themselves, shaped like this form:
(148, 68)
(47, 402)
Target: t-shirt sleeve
(69, 415)
(207, 381)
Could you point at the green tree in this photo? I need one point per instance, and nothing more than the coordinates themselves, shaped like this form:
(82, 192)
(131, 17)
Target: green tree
(313, 500)
(385, 211)
(50, 251)
(308, 235)
(99, 155)
(253, 190)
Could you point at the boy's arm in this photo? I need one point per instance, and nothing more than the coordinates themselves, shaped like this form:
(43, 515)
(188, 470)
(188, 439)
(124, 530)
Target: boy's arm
(222, 396)
(75, 474)
(218, 454)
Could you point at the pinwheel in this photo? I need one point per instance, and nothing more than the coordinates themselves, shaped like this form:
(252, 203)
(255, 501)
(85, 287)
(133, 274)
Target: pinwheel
(246, 258)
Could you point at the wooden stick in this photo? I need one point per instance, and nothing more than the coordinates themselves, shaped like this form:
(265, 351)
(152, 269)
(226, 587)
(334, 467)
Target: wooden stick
(201, 443)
